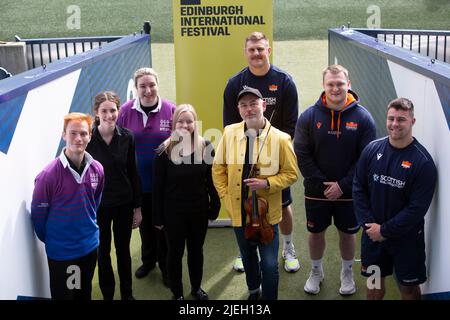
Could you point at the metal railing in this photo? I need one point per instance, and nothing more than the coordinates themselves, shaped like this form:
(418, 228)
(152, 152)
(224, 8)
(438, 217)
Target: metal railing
(47, 50)
(430, 43)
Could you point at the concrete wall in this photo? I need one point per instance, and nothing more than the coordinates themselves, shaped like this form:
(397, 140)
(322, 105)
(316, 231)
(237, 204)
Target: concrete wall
(13, 57)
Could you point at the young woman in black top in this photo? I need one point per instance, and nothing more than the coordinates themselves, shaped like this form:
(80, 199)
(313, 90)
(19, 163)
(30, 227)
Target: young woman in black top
(114, 148)
(184, 198)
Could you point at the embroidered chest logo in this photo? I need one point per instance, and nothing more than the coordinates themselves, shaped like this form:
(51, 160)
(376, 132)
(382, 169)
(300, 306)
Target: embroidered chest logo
(406, 164)
(351, 126)
(270, 101)
(164, 125)
(379, 155)
(376, 177)
(273, 87)
(94, 180)
(318, 124)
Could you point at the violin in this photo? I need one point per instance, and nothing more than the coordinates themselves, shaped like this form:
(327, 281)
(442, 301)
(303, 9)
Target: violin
(257, 228)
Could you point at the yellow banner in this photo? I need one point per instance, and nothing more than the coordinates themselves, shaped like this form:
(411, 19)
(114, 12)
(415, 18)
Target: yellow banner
(209, 38)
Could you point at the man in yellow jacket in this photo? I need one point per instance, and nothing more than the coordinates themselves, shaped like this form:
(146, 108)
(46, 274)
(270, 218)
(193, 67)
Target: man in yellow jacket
(254, 141)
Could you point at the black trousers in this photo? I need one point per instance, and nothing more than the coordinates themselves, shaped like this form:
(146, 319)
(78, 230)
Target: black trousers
(153, 241)
(186, 230)
(72, 279)
(121, 218)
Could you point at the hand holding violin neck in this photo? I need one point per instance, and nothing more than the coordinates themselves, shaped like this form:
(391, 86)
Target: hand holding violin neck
(256, 184)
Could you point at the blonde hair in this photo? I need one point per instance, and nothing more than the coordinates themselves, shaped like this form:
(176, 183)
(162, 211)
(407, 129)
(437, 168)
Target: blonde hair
(170, 143)
(79, 117)
(256, 36)
(335, 69)
(144, 72)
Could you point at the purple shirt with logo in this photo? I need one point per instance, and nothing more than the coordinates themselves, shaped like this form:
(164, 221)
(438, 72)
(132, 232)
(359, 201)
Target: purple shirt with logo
(149, 132)
(64, 207)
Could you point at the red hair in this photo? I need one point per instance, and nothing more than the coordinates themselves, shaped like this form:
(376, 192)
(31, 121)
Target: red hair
(80, 117)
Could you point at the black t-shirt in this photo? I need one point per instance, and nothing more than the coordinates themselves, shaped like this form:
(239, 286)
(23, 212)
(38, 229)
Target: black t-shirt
(147, 110)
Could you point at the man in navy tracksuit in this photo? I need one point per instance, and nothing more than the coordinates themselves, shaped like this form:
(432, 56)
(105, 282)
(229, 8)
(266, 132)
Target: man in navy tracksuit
(329, 139)
(392, 190)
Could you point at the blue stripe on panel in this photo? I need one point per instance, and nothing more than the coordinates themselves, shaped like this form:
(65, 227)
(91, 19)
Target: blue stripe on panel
(9, 117)
(111, 73)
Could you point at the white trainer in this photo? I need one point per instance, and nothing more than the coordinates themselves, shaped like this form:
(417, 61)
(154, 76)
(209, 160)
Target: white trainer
(291, 263)
(348, 286)
(238, 265)
(312, 285)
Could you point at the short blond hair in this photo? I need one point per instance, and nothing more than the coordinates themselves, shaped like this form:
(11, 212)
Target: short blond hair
(144, 72)
(335, 69)
(256, 36)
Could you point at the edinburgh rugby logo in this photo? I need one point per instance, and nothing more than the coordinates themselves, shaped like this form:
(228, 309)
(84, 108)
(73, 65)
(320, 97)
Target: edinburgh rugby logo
(406, 164)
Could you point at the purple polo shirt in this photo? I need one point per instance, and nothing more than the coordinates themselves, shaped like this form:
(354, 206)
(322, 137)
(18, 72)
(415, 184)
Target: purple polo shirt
(149, 132)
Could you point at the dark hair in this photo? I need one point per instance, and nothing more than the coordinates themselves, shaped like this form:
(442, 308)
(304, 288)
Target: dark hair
(402, 104)
(102, 97)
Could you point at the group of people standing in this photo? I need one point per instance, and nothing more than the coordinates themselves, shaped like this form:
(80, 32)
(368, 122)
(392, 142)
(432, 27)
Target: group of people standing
(153, 170)
(123, 172)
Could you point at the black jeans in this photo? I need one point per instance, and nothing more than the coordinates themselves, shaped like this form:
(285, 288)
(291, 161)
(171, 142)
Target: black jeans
(121, 218)
(153, 241)
(190, 230)
(72, 279)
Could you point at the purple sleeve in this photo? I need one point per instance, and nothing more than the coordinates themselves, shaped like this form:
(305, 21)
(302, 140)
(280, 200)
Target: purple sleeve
(122, 113)
(40, 205)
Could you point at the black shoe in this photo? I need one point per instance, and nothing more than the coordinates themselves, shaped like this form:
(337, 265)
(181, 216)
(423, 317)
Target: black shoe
(165, 280)
(200, 294)
(178, 297)
(143, 270)
(108, 296)
(128, 298)
(254, 296)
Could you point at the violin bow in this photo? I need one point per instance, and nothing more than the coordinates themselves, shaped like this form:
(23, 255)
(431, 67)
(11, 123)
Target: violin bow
(252, 168)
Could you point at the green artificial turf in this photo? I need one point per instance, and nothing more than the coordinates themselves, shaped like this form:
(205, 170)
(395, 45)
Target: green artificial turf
(293, 19)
